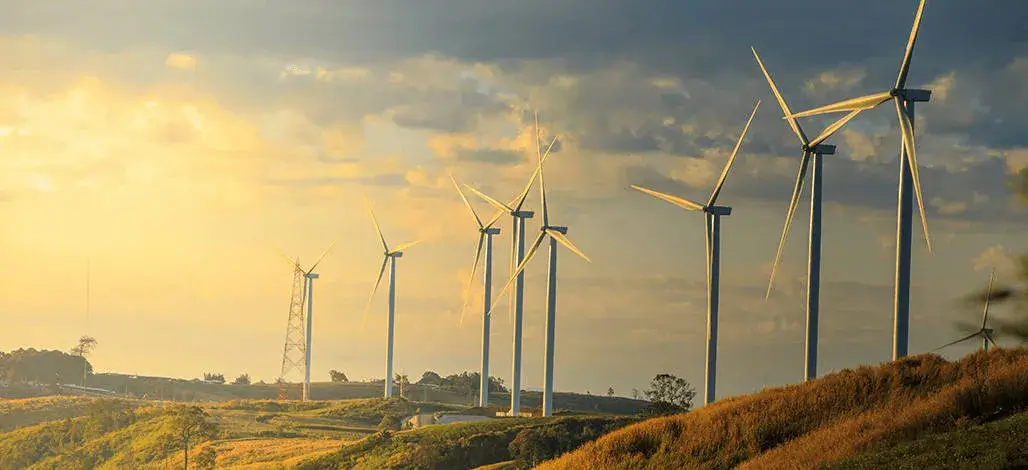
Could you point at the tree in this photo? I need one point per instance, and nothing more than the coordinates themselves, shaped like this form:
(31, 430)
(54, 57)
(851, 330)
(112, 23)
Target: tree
(243, 379)
(214, 377)
(635, 393)
(610, 392)
(669, 395)
(337, 376)
(85, 346)
(190, 422)
(430, 378)
(401, 381)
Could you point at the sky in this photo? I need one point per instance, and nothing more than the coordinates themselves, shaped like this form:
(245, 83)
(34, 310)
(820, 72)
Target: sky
(177, 147)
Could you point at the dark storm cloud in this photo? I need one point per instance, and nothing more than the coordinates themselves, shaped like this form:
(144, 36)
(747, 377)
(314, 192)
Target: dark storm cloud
(666, 34)
(498, 157)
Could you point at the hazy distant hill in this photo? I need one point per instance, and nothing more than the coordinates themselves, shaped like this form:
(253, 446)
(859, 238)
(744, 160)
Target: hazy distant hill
(914, 413)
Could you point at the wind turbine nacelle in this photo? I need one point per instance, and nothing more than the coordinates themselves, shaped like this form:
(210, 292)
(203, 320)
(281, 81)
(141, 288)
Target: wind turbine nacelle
(824, 149)
(720, 210)
(918, 95)
(524, 214)
(492, 231)
(398, 254)
(312, 275)
(558, 229)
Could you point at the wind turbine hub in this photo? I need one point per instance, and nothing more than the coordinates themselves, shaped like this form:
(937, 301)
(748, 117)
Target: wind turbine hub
(822, 149)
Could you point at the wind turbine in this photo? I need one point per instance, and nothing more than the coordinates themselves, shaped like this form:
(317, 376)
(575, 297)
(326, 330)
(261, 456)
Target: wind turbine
(517, 254)
(904, 99)
(390, 256)
(486, 232)
(984, 332)
(712, 214)
(557, 234)
(308, 291)
(816, 149)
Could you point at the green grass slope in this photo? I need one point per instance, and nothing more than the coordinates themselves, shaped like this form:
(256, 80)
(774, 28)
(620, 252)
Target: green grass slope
(515, 442)
(825, 421)
(993, 445)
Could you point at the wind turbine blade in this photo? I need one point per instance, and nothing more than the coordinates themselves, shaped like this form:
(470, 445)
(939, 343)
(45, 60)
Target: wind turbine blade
(908, 143)
(563, 240)
(493, 202)
(797, 189)
(520, 200)
(471, 280)
(324, 253)
(683, 203)
(852, 104)
(493, 220)
(371, 298)
(466, 202)
(834, 127)
(375, 221)
(404, 247)
(294, 264)
(972, 335)
(901, 80)
(731, 159)
(988, 296)
(781, 101)
(988, 337)
(521, 267)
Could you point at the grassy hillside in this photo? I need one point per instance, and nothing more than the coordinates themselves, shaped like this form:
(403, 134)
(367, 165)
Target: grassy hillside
(72, 432)
(998, 444)
(825, 421)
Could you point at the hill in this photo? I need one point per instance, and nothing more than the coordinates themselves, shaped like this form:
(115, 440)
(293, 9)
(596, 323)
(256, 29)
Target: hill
(75, 432)
(917, 404)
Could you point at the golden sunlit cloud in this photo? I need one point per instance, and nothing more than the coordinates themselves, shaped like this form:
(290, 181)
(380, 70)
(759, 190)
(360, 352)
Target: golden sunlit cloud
(180, 61)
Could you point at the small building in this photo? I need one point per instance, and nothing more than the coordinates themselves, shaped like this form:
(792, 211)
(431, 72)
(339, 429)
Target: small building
(428, 419)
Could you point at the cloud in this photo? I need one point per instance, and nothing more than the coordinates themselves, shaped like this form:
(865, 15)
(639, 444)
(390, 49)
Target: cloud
(995, 257)
(180, 61)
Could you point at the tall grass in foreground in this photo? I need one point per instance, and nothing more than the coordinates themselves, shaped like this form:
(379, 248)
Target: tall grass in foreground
(813, 424)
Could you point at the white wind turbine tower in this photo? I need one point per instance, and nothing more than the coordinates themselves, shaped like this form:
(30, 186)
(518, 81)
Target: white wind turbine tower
(984, 331)
(557, 234)
(817, 149)
(518, 218)
(390, 256)
(308, 292)
(486, 232)
(712, 214)
(909, 178)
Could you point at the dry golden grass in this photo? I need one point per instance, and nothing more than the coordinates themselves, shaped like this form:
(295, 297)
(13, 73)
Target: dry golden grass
(823, 421)
(252, 454)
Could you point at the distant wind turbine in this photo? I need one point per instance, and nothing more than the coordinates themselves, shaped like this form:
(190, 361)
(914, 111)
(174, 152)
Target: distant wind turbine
(984, 331)
(486, 232)
(309, 276)
(904, 99)
(557, 234)
(517, 254)
(817, 149)
(712, 214)
(390, 256)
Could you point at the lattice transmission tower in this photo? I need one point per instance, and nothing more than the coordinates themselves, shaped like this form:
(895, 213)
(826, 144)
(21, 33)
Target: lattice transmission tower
(294, 355)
